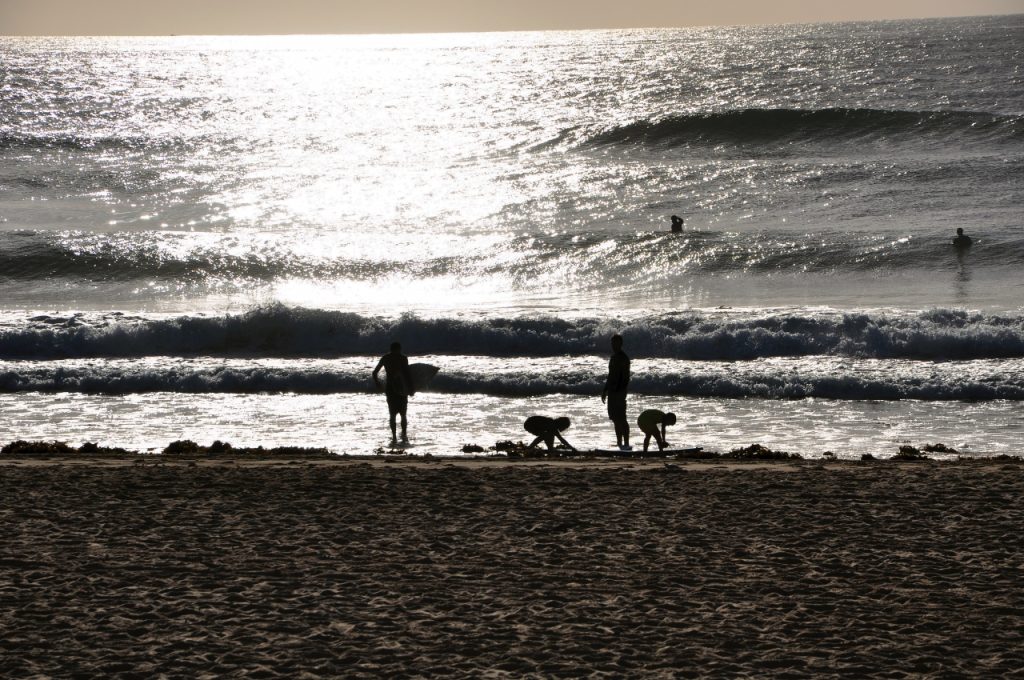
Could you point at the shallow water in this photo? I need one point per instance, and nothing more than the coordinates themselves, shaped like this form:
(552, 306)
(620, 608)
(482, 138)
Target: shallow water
(443, 424)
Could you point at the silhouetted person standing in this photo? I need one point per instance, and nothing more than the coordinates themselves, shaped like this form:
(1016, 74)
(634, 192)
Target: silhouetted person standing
(396, 365)
(961, 240)
(614, 393)
(677, 224)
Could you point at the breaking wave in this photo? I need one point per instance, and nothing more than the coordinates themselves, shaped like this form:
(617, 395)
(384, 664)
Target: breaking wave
(282, 331)
(764, 380)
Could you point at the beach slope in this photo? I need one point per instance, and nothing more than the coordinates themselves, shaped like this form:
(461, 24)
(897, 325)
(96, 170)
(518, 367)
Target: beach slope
(381, 569)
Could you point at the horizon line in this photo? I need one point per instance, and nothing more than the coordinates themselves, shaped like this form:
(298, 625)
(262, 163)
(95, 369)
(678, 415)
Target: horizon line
(505, 30)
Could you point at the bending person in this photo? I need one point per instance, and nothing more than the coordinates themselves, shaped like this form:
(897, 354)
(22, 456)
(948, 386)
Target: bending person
(652, 423)
(546, 429)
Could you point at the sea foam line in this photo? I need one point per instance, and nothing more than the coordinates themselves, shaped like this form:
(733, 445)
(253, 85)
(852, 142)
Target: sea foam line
(720, 380)
(282, 331)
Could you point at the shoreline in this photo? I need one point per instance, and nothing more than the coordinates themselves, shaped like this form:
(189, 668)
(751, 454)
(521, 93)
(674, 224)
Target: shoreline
(502, 452)
(497, 461)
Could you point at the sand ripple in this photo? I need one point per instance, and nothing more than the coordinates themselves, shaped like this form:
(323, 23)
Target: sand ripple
(319, 569)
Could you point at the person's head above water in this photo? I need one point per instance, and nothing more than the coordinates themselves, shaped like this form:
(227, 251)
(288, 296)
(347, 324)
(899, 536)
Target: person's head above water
(616, 342)
(959, 231)
(396, 348)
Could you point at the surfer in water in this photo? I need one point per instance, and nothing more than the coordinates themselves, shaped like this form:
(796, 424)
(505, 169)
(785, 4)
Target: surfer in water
(652, 423)
(614, 393)
(396, 365)
(677, 224)
(961, 240)
(546, 429)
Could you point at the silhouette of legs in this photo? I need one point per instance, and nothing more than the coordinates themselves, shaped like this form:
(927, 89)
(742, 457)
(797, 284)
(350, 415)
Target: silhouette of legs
(657, 438)
(617, 414)
(397, 405)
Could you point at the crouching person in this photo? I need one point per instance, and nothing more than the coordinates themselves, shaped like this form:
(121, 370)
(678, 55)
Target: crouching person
(652, 423)
(546, 429)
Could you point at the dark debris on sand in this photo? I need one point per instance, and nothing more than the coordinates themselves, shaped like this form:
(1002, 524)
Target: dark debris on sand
(188, 447)
(183, 448)
(24, 447)
(939, 448)
(908, 452)
(752, 452)
(758, 452)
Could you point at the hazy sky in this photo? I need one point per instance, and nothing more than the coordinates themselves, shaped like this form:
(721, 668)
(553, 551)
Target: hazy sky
(160, 17)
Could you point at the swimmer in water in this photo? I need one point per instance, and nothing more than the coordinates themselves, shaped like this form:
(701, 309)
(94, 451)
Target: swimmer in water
(961, 240)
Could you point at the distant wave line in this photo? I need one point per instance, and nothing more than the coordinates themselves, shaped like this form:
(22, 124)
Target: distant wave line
(804, 125)
(27, 256)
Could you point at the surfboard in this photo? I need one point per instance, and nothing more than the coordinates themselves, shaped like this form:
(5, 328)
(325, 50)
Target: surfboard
(417, 377)
(638, 452)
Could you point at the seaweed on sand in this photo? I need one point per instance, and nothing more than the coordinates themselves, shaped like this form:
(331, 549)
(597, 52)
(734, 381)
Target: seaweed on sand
(939, 448)
(24, 447)
(758, 452)
(908, 452)
(187, 447)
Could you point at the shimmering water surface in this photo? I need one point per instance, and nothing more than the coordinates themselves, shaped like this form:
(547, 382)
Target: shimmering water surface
(207, 227)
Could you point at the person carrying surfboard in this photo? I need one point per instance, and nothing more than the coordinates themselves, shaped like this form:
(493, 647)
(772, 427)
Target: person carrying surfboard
(652, 423)
(546, 429)
(396, 388)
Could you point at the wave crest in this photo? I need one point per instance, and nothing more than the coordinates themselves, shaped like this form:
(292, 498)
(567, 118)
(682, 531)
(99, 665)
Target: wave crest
(807, 125)
(279, 330)
(762, 380)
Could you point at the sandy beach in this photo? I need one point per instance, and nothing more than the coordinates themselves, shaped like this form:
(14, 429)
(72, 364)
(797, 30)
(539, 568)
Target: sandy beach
(138, 567)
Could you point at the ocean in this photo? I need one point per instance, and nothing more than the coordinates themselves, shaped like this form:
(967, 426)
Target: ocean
(217, 237)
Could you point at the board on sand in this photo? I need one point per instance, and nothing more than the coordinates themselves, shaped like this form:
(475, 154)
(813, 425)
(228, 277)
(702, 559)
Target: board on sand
(417, 377)
(638, 452)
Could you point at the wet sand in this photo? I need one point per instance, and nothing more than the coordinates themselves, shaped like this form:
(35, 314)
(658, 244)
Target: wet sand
(290, 568)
